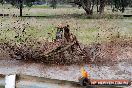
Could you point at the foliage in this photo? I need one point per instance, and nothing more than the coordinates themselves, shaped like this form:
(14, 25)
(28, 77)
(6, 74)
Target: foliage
(120, 4)
(89, 4)
(20, 3)
(53, 4)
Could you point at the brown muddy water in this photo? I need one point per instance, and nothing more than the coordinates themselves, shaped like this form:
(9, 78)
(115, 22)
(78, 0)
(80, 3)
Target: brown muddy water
(23, 81)
(122, 70)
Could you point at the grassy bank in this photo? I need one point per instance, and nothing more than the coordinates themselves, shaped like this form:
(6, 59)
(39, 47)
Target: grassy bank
(88, 29)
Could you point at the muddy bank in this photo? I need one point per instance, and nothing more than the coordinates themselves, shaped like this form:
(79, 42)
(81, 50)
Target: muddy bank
(112, 60)
(58, 52)
(62, 53)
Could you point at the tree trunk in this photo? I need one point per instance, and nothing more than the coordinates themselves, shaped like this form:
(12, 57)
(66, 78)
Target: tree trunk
(97, 6)
(21, 6)
(102, 5)
(93, 2)
(88, 11)
(87, 6)
(54, 4)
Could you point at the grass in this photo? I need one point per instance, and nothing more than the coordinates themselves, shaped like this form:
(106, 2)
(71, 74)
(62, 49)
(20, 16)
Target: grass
(40, 6)
(87, 29)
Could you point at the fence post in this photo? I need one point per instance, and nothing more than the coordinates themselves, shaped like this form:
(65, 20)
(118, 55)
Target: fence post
(10, 81)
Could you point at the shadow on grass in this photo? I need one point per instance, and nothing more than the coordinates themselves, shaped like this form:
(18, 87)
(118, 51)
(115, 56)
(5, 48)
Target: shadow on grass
(83, 16)
(75, 15)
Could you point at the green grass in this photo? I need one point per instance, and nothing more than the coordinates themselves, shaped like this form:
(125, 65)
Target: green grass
(40, 6)
(85, 28)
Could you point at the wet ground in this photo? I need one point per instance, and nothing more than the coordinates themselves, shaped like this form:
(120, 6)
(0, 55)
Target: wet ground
(122, 70)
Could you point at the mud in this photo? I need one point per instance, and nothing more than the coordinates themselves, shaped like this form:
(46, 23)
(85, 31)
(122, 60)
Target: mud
(63, 53)
(57, 52)
(122, 70)
(108, 60)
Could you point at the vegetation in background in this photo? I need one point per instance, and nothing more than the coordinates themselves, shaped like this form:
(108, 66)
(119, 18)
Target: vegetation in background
(87, 5)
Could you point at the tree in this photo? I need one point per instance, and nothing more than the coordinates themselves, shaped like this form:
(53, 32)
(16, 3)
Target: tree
(54, 4)
(21, 6)
(102, 6)
(88, 5)
(19, 3)
(120, 5)
(2, 2)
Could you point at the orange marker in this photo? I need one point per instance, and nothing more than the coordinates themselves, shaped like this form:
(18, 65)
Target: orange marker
(84, 74)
